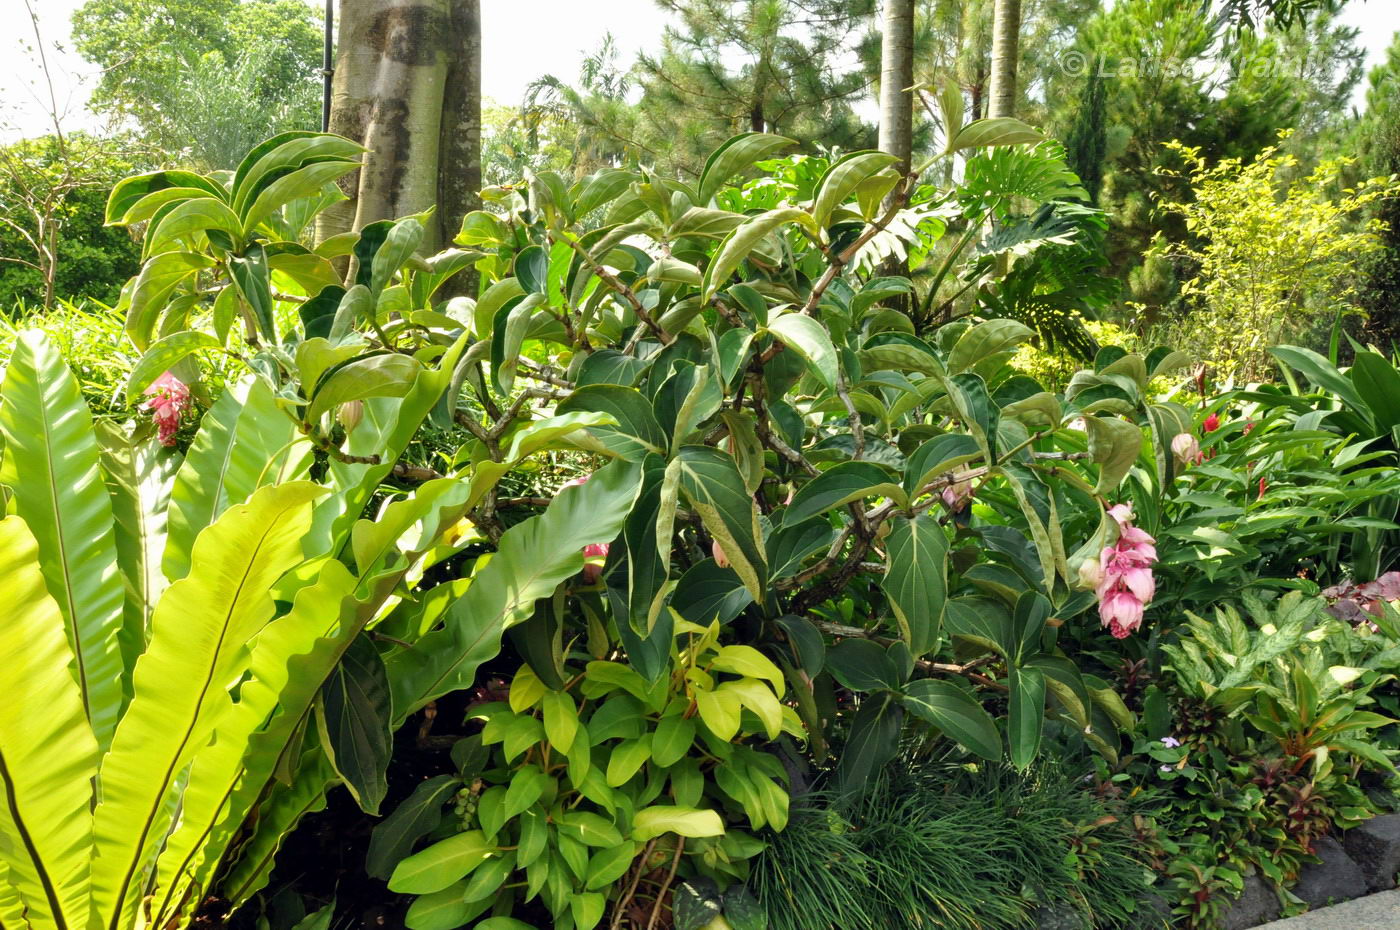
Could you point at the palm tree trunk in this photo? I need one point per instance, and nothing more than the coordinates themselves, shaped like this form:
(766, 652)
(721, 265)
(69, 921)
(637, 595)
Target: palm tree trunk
(896, 79)
(1006, 50)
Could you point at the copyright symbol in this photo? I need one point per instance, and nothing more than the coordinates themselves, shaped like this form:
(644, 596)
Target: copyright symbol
(1074, 63)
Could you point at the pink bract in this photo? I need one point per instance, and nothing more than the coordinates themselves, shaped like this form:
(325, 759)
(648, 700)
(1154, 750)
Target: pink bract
(167, 399)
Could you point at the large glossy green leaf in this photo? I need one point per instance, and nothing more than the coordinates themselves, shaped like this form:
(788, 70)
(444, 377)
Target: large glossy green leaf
(743, 240)
(198, 648)
(140, 477)
(809, 339)
(637, 432)
(735, 155)
(916, 579)
(1378, 383)
(188, 223)
(51, 465)
(1323, 374)
(957, 713)
(1026, 714)
(938, 457)
(1001, 130)
(442, 863)
(244, 442)
(354, 712)
(288, 660)
(843, 177)
(873, 741)
(254, 282)
(838, 485)
(985, 340)
(47, 752)
(1114, 445)
(711, 482)
(163, 355)
(420, 813)
(158, 278)
(302, 182)
(977, 410)
(386, 375)
(531, 560)
(139, 189)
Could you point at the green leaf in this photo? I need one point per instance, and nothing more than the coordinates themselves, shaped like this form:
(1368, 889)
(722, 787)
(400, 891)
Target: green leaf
(48, 756)
(398, 247)
(441, 864)
(956, 713)
(51, 465)
(743, 240)
(862, 665)
(138, 197)
(160, 275)
(940, 456)
(977, 410)
(983, 133)
(609, 864)
(916, 579)
(589, 829)
(162, 356)
(354, 711)
(243, 443)
(742, 910)
(693, 909)
(1114, 444)
(672, 739)
(985, 340)
(199, 637)
(441, 910)
(193, 216)
(735, 155)
(420, 813)
(626, 760)
(707, 592)
(1378, 383)
(637, 432)
(840, 181)
(532, 558)
(1322, 373)
(809, 339)
(652, 822)
(302, 182)
(254, 282)
(711, 482)
(873, 741)
(840, 485)
(386, 375)
(1026, 714)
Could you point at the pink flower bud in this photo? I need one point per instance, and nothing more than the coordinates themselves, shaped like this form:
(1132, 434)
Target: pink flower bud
(957, 495)
(594, 554)
(717, 551)
(1211, 424)
(1186, 449)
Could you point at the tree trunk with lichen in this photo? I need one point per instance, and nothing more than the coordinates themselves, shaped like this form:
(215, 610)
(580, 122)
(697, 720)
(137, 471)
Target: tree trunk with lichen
(407, 86)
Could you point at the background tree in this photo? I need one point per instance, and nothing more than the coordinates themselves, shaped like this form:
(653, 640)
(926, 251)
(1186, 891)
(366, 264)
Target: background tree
(201, 78)
(1377, 139)
(758, 65)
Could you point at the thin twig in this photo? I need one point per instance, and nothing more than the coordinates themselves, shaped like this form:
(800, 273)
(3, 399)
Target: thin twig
(665, 885)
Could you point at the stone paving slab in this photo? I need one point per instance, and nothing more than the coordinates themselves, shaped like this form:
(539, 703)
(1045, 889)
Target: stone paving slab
(1373, 912)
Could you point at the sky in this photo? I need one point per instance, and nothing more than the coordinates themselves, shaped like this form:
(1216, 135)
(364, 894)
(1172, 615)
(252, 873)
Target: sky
(560, 34)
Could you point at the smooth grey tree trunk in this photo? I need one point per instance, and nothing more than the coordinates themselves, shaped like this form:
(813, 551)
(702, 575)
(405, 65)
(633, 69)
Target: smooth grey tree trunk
(1006, 50)
(896, 79)
(408, 87)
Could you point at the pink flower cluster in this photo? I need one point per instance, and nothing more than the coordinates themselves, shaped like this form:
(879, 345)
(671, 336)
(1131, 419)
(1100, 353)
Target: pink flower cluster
(1125, 583)
(169, 399)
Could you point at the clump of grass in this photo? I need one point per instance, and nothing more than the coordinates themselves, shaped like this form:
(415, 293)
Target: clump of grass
(957, 847)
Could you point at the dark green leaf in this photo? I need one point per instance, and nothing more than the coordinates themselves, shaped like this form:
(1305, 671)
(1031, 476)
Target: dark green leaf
(393, 838)
(355, 713)
(916, 579)
(955, 712)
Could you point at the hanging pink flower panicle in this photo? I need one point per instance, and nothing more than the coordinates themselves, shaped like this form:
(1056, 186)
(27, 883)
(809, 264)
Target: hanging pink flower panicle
(1125, 584)
(168, 399)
